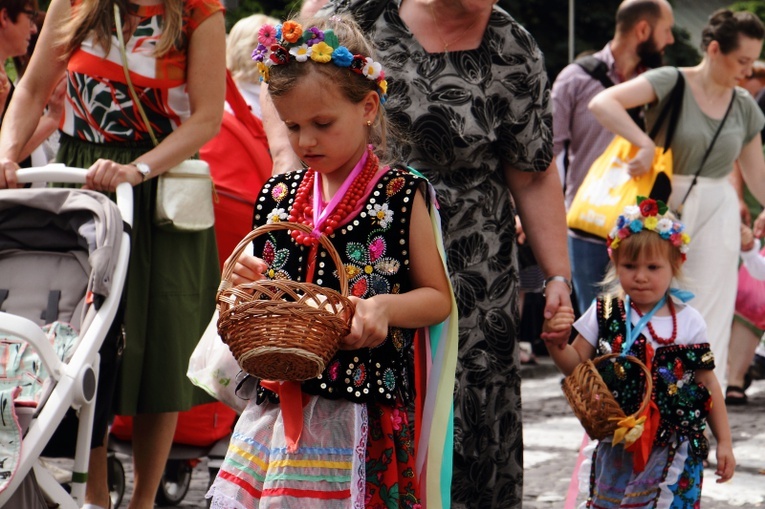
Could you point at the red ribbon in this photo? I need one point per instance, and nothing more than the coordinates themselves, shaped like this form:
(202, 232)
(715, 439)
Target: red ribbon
(291, 401)
(641, 449)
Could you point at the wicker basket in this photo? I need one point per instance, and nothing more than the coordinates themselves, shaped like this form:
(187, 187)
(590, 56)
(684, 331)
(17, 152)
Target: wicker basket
(281, 329)
(592, 401)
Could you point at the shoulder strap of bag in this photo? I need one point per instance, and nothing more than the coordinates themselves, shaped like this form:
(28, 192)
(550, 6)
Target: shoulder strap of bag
(240, 107)
(596, 68)
(708, 151)
(136, 101)
(672, 107)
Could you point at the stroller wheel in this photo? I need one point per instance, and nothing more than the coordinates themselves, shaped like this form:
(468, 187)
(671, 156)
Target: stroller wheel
(116, 481)
(175, 483)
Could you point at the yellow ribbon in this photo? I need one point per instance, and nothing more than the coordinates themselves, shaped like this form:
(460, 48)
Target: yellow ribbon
(629, 430)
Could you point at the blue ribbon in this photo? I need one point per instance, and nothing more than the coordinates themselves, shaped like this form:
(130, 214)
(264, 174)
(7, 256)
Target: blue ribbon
(632, 334)
(681, 295)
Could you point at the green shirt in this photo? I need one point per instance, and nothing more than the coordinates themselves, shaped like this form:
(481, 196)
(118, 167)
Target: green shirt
(695, 129)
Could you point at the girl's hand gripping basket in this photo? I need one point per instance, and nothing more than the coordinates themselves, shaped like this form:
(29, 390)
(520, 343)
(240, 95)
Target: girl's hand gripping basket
(593, 403)
(282, 329)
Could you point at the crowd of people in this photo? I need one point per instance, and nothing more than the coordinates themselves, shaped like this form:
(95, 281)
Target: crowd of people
(351, 96)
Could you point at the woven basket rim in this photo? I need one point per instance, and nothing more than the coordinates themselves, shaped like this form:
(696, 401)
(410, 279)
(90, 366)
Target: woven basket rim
(648, 391)
(228, 267)
(258, 319)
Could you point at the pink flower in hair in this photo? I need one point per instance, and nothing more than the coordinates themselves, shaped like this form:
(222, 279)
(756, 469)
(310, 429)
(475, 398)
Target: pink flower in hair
(267, 35)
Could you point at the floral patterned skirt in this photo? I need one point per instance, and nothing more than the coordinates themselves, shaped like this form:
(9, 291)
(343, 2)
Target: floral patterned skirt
(671, 480)
(348, 456)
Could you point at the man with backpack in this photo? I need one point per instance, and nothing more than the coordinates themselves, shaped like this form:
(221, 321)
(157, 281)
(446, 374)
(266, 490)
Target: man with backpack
(643, 31)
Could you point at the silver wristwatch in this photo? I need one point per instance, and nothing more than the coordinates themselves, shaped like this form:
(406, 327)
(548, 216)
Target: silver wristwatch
(143, 169)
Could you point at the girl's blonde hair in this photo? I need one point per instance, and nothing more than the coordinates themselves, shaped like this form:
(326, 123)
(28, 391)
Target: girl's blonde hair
(96, 17)
(647, 243)
(353, 86)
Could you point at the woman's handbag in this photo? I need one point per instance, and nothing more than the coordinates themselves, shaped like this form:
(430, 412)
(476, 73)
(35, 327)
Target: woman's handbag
(608, 187)
(185, 192)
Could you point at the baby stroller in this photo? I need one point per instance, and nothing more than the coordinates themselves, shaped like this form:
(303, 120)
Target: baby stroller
(63, 261)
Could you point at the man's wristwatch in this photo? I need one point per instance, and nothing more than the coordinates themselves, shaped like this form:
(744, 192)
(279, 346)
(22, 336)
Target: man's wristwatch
(558, 278)
(143, 169)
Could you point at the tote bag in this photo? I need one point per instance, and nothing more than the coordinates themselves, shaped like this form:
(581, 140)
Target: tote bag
(750, 297)
(608, 187)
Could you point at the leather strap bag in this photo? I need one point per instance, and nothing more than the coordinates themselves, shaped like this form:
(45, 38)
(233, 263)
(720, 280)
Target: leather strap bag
(185, 192)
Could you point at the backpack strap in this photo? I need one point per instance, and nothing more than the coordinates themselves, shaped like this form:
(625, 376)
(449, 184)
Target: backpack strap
(596, 68)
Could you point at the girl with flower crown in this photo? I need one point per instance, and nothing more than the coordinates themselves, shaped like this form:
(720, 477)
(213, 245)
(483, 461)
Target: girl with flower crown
(656, 459)
(347, 438)
(731, 43)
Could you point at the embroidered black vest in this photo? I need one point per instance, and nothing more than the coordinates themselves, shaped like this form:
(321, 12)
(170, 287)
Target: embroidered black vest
(374, 249)
(683, 403)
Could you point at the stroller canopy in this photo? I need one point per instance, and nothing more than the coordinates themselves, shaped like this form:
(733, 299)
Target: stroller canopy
(64, 220)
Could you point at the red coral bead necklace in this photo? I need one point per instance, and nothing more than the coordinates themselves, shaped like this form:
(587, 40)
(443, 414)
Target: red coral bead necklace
(660, 340)
(305, 212)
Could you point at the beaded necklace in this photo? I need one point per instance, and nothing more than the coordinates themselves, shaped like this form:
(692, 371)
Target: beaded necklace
(324, 219)
(660, 340)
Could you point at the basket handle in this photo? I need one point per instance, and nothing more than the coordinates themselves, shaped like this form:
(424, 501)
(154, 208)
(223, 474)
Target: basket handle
(228, 268)
(648, 376)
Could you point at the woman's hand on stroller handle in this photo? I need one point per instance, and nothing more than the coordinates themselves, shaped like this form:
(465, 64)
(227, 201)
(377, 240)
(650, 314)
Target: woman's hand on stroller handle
(8, 171)
(106, 175)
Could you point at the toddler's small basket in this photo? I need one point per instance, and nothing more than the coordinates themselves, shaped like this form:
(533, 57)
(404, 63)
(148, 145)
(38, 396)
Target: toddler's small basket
(279, 329)
(592, 401)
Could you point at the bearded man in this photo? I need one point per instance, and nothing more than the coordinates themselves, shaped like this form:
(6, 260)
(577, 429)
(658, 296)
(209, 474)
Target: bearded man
(643, 31)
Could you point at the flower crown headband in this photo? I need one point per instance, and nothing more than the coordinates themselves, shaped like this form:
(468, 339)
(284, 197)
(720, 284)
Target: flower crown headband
(651, 215)
(284, 43)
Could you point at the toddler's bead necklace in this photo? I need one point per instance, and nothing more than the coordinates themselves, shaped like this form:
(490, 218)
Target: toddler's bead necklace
(660, 340)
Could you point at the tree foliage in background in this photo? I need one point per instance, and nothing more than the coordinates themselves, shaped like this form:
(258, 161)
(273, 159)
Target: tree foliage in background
(755, 6)
(238, 9)
(547, 20)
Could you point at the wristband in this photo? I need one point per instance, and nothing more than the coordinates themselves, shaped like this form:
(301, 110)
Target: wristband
(558, 278)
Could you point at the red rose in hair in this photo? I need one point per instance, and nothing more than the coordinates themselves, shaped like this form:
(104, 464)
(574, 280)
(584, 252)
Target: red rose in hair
(649, 207)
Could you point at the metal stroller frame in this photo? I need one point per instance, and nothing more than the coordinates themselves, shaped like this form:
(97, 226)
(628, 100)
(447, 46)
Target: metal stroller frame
(75, 381)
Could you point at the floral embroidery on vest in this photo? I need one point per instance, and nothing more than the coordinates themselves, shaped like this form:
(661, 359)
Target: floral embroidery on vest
(374, 250)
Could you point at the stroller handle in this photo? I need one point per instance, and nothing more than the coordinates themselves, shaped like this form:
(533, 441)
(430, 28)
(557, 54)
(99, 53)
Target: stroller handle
(68, 175)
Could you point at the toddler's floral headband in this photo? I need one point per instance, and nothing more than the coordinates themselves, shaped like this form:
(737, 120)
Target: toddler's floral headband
(649, 215)
(284, 43)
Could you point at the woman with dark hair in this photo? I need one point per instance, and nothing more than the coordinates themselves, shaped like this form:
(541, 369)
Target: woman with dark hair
(714, 113)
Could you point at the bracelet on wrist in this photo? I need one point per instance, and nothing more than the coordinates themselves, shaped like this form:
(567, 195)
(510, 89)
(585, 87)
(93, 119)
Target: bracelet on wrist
(561, 279)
